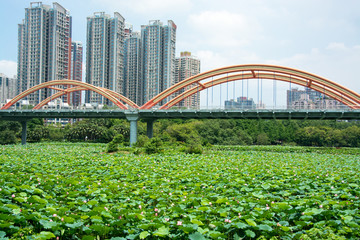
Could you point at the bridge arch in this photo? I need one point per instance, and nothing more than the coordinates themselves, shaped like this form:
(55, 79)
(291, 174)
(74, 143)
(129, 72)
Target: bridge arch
(253, 71)
(111, 95)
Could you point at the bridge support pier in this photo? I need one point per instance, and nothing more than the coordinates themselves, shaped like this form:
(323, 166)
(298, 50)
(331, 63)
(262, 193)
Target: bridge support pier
(133, 118)
(150, 127)
(23, 132)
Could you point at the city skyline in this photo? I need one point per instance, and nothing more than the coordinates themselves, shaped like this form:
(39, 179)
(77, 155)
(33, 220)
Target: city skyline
(320, 37)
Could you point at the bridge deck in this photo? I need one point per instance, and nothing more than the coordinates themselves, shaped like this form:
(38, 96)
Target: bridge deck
(19, 115)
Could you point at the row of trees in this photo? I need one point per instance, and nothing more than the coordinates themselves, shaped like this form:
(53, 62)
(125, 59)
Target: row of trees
(214, 132)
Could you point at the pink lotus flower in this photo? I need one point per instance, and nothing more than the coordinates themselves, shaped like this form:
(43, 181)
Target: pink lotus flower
(156, 209)
(179, 223)
(139, 206)
(13, 195)
(54, 215)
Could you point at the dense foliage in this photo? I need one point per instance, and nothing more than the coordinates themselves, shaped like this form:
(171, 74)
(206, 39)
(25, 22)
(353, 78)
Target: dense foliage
(214, 132)
(76, 191)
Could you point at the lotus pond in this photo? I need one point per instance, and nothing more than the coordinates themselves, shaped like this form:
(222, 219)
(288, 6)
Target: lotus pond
(76, 191)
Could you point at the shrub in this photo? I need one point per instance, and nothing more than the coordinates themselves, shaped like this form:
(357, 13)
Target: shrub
(112, 147)
(153, 146)
(7, 137)
(262, 139)
(119, 138)
(194, 149)
(141, 141)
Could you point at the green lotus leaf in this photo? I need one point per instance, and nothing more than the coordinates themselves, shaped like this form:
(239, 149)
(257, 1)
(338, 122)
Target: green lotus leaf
(250, 233)
(162, 232)
(251, 222)
(196, 236)
(144, 234)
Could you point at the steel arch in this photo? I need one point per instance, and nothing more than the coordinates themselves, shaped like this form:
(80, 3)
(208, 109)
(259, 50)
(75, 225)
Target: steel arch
(74, 89)
(254, 71)
(111, 95)
(329, 92)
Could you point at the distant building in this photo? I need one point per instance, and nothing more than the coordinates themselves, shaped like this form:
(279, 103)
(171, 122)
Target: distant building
(187, 66)
(133, 84)
(76, 71)
(7, 88)
(58, 104)
(310, 99)
(44, 43)
(158, 57)
(104, 55)
(128, 30)
(240, 103)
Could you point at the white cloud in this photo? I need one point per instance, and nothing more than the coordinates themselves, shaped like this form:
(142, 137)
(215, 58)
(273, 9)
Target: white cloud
(336, 46)
(211, 60)
(341, 66)
(146, 7)
(9, 68)
(223, 28)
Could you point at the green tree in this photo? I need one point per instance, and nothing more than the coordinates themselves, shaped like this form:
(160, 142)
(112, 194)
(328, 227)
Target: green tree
(351, 135)
(7, 137)
(36, 133)
(310, 136)
(262, 139)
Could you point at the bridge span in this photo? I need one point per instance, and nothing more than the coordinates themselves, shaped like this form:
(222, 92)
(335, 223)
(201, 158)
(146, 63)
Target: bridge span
(134, 115)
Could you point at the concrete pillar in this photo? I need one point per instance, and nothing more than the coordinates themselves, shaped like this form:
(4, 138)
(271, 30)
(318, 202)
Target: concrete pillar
(133, 118)
(150, 127)
(23, 132)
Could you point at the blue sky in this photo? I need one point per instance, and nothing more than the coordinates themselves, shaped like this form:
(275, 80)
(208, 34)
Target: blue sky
(318, 36)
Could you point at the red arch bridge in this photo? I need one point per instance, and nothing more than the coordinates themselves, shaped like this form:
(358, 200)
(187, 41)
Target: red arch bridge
(153, 109)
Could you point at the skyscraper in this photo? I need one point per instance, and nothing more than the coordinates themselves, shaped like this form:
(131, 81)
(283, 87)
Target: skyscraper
(158, 54)
(132, 68)
(44, 40)
(76, 70)
(104, 54)
(185, 67)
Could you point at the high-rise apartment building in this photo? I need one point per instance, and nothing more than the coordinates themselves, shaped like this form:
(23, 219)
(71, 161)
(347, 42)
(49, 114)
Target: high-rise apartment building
(158, 54)
(240, 103)
(7, 88)
(187, 66)
(104, 55)
(310, 99)
(76, 70)
(133, 87)
(44, 44)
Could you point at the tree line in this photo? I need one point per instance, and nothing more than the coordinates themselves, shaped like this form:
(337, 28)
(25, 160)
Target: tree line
(328, 133)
